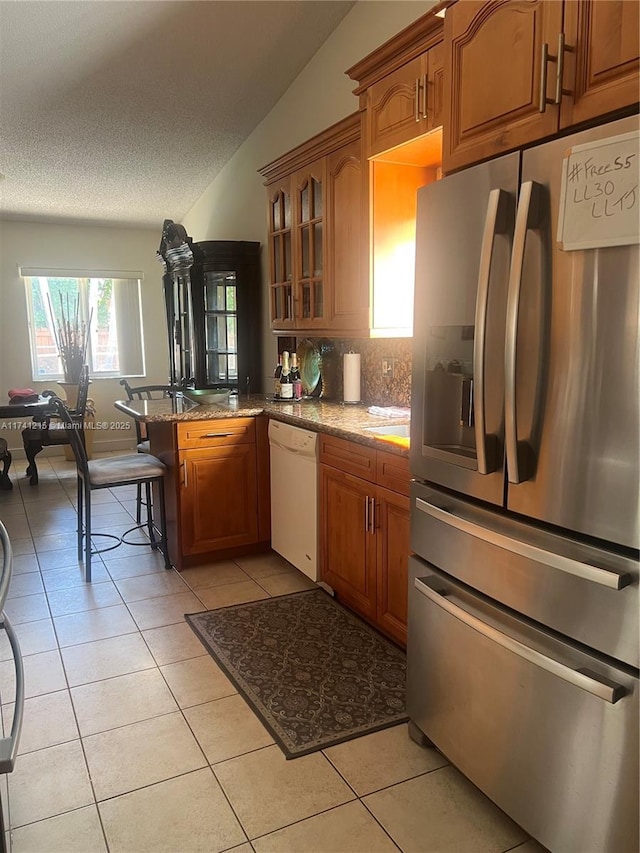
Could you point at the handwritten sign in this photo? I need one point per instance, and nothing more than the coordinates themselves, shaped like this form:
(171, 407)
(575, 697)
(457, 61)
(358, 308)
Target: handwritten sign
(600, 199)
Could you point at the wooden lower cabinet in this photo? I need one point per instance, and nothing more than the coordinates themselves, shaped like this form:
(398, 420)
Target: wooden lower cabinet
(347, 547)
(364, 533)
(218, 498)
(216, 487)
(392, 533)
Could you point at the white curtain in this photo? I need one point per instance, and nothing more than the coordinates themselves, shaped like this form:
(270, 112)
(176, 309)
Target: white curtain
(126, 294)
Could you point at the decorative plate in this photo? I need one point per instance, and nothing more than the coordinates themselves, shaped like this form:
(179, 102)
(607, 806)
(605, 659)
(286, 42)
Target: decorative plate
(309, 362)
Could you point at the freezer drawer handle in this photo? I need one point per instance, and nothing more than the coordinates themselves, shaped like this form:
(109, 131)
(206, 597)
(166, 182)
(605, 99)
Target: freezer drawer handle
(584, 679)
(496, 222)
(9, 745)
(604, 577)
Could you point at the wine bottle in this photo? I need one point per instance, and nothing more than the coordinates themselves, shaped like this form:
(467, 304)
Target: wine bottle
(295, 377)
(277, 373)
(286, 385)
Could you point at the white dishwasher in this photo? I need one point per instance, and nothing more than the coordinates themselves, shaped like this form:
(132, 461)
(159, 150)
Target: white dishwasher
(294, 495)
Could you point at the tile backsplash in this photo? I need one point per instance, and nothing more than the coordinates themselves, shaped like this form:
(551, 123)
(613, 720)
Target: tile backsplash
(376, 389)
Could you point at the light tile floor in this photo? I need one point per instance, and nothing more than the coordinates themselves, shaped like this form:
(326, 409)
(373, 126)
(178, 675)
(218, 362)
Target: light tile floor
(134, 740)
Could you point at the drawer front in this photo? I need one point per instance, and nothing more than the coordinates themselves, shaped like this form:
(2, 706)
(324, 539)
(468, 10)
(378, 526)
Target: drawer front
(392, 472)
(533, 721)
(348, 456)
(218, 433)
(596, 598)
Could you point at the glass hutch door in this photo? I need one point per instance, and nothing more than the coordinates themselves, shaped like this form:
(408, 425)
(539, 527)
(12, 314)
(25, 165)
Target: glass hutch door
(221, 328)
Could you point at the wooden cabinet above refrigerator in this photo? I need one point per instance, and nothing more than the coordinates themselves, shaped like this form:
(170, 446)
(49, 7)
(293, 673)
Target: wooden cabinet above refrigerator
(519, 71)
(400, 86)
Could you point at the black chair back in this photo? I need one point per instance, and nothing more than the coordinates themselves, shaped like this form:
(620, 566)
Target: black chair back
(74, 429)
(83, 392)
(147, 392)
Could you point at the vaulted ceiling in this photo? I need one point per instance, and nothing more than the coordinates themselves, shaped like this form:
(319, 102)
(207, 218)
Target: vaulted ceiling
(121, 111)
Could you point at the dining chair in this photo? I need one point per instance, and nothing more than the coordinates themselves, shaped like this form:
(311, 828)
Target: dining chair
(139, 469)
(46, 433)
(145, 392)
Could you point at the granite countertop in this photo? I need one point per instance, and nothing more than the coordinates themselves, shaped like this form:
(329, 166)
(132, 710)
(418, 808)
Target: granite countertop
(343, 421)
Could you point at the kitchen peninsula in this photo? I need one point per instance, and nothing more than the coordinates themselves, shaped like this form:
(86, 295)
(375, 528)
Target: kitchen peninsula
(218, 496)
(344, 421)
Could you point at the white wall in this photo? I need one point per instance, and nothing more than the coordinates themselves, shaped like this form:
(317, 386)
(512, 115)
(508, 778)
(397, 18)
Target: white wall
(233, 207)
(71, 246)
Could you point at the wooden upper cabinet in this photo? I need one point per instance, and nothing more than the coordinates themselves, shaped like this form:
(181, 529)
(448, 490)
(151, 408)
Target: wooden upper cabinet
(519, 71)
(308, 212)
(400, 85)
(280, 231)
(602, 64)
(346, 285)
(493, 90)
(396, 111)
(435, 86)
(317, 250)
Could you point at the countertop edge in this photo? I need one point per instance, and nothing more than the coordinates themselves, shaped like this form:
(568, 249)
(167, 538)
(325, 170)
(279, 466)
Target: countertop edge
(349, 432)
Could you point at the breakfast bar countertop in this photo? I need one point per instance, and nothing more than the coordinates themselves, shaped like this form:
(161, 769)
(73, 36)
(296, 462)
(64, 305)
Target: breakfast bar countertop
(349, 421)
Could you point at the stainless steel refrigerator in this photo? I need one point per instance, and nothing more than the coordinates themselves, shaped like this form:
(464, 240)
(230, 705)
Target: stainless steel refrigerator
(523, 637)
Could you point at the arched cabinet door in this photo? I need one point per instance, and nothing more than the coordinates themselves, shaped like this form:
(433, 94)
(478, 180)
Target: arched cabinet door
(347, 286)
(280, 235)
(309, 225)
(601, 69)
(406, 103)
(496, 99)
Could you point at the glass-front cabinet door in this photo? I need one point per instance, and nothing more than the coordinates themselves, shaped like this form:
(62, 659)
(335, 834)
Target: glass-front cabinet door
(309, 308)
(281, 280)
(221, 328)
(225, 294)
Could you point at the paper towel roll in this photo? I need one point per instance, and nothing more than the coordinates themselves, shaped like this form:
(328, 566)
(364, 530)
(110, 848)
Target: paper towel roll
(351, 374)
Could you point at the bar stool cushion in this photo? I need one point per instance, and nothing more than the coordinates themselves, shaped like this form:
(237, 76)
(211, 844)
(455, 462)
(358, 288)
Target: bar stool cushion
(116, 470)
(144, 447)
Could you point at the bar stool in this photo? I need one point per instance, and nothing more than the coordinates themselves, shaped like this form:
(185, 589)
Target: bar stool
(145, 392)
(140, 469)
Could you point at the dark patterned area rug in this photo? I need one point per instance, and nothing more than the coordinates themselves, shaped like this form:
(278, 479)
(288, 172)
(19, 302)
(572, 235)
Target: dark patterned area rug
(314, 672)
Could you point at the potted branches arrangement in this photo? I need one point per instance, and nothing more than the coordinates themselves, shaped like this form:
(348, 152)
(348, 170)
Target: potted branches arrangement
(71, 335)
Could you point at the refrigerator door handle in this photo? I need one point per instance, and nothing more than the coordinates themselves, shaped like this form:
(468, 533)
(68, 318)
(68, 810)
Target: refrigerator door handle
(584, 679)
(527, 217)
(496, 222)
(595, 574)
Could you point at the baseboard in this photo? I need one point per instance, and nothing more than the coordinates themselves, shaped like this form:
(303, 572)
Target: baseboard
(122, 444)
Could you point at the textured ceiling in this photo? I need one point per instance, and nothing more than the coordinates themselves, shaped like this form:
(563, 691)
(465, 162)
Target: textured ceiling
(123, 112)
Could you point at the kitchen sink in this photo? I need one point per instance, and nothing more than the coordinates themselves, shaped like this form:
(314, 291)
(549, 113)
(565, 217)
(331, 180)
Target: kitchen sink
(403, 430)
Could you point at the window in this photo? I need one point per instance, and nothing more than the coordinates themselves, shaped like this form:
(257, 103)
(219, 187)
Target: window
(109, 305)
